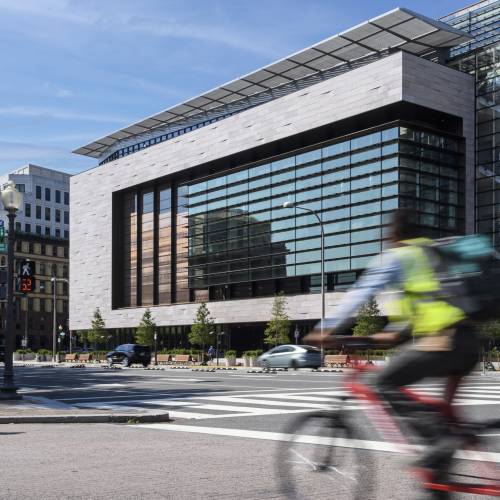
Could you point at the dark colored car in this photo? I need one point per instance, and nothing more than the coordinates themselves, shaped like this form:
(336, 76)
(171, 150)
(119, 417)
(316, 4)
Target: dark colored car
(2, 354)
(128, 354)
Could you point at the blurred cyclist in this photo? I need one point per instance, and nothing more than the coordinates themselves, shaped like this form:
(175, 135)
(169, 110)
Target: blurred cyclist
(445, 342)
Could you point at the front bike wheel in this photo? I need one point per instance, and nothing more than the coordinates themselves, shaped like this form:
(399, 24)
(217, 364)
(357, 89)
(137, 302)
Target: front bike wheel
(319, 459)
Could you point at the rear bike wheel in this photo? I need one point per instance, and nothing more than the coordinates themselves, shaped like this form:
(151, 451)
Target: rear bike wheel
(475, 468)
(319, 459)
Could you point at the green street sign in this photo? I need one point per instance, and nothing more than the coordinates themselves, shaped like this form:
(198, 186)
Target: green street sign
(3, 244)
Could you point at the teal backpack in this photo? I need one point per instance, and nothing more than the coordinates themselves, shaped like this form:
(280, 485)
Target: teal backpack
(468, 269)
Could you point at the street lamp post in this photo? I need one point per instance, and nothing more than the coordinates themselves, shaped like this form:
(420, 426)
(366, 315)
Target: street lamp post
(217, 342)
(62, 334)
(12, 200)
(54, 281)
(291, 204)
(156, 346)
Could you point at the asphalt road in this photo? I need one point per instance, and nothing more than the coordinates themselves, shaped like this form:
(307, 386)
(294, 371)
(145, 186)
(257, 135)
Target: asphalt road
(222, 444)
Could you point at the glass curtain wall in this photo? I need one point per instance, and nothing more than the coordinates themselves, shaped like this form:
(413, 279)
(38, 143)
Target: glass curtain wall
(147, 247)
(481, 58)
(228, 236)
(241, 238)
(129, 231)
(181, 252)
(165, 245)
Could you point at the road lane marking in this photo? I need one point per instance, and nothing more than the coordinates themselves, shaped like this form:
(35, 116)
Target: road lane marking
(235, 399)
(362, 444)
(189, 394)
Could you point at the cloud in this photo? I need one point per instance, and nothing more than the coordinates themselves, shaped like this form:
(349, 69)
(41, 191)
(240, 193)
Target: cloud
(60, 114)
(120, 21)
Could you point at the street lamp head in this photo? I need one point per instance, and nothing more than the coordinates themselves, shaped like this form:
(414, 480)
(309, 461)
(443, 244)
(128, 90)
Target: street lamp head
(11, 197)
(288, 204)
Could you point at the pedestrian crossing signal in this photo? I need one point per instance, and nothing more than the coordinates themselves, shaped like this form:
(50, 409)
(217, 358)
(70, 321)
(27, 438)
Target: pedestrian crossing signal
(27, 276)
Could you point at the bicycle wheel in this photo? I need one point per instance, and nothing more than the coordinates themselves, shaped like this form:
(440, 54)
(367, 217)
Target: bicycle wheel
(476, 466)
(319, 459)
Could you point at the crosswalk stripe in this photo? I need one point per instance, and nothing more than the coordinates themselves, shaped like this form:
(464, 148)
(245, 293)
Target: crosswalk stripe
(231, 399)
(253, 403)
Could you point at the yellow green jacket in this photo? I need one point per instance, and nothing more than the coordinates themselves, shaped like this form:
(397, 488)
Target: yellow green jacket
(406, 273)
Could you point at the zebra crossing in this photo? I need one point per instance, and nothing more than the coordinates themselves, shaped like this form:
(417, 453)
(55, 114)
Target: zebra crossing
(279, 402)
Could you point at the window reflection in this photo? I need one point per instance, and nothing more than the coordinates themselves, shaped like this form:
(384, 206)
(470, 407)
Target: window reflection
(230, 233)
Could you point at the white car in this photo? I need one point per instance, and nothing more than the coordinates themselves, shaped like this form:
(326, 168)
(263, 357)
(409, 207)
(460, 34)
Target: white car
(291, 356)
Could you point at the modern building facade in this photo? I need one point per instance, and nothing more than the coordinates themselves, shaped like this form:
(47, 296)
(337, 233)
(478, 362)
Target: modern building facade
(45, 210)
(42, 235)
(33, 316)
(481, 58)
(187, 205)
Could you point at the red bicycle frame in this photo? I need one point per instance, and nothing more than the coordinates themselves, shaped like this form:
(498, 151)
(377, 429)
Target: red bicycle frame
(389, 429)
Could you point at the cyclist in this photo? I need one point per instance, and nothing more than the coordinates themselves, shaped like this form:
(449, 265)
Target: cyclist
(445, 343)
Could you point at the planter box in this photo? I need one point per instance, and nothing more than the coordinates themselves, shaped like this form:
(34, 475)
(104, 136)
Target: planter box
(230, 361)
(249, 362)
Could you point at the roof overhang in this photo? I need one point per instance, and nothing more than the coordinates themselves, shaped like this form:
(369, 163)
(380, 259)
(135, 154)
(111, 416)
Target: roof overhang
(398, 29)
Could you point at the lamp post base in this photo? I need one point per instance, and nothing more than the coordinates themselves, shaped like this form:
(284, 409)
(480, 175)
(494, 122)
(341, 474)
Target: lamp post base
(9, 393)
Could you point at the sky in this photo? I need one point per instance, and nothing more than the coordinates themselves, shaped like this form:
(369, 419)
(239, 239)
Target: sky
(75, 70)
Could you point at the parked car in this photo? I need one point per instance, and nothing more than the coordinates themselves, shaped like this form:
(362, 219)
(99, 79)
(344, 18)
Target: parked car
(291, 356)
(128, 354)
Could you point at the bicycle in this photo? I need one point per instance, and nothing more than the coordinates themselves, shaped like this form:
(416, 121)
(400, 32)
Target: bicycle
(329, 453)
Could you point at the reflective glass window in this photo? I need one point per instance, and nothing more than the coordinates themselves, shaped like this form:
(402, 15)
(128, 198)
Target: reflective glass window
(336, 149)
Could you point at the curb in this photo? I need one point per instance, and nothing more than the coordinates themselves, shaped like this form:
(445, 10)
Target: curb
(86, 418)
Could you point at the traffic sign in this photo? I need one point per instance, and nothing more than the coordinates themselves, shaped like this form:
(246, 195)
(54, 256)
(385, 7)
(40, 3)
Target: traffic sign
(3, 245)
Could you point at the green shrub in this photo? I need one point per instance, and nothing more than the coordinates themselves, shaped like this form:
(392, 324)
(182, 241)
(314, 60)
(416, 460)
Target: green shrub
(24, 351)
(230, 353)
(253, 354)
(44, 352)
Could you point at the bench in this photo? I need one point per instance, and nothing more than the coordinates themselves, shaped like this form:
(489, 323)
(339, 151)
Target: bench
(337, 360)
(85, 358)
(182, 358)
(163, 358)
(71, 357)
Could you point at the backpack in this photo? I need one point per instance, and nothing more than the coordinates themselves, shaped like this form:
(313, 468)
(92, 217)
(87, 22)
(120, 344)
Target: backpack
(468, 270)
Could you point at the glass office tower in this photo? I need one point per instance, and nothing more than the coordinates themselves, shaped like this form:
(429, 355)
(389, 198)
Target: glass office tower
(481, 58)
(227, 236)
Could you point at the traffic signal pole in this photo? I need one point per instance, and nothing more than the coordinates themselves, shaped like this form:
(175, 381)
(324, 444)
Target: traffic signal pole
(9, 390)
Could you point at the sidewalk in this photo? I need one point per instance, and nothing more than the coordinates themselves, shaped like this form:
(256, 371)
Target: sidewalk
(39, 410)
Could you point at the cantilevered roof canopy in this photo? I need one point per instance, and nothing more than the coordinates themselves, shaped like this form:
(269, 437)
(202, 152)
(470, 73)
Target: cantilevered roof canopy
(397, 29)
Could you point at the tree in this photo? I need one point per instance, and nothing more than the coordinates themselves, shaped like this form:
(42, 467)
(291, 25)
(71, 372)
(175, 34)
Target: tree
(82, 336)
(202, 327)
(278, 328)
(490, 332)
(98, 330)
(146, 332)
(369, 320)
